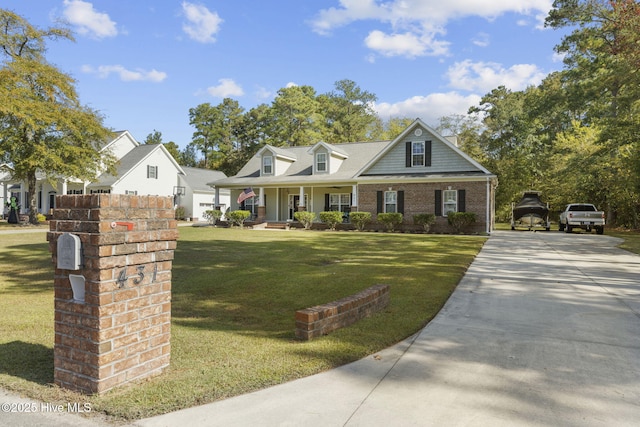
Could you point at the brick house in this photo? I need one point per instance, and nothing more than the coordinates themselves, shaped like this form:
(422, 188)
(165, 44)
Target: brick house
(420, 171)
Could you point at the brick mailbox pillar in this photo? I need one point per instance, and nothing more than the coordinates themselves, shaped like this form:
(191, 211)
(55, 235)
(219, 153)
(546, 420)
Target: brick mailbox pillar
(113, 300)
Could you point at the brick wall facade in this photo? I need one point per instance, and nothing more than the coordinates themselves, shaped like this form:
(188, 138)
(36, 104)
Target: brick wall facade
(121, 332)
(419, 198)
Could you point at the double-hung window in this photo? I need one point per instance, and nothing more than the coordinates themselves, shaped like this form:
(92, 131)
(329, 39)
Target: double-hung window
(152, 172)
(267, 165)
(417, 153)
(390, 201)
(321, 162)
(450, 201)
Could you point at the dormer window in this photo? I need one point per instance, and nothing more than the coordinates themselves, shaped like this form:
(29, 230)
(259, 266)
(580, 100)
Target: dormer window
(321, 162)
(267, 165)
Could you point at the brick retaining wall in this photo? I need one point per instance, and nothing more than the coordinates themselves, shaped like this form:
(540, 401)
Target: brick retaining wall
(323, 319)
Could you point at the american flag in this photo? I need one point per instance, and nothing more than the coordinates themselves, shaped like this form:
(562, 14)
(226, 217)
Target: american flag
(248, 192)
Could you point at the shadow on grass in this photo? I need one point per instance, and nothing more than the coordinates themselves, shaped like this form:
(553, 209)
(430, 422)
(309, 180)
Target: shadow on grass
(254, 287)
(31, 362)
(28, 267)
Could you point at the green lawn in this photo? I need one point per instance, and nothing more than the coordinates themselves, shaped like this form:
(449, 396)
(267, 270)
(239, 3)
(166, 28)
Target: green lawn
(235, 293)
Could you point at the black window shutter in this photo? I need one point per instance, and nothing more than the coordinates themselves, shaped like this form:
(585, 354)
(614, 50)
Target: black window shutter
(438, 202)
(427, 153)
(408, 154)
(326, 202)
(401, 202)
(380, 197)
(461, 201)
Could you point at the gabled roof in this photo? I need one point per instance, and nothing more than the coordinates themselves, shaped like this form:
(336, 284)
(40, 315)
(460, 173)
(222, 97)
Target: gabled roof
(357, 154)
(332, 149)
(117, 136)
(411, 128)
(281, 153)
(358, 160)
(129, 162)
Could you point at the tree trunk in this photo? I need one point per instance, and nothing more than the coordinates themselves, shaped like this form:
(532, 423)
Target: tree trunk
(33, 199)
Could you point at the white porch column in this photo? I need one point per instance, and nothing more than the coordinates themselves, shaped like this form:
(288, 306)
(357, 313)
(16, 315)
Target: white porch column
(64, 187)
(5, 195)
(354, 195)
(216, 198)
(301, 203)
(261, 197)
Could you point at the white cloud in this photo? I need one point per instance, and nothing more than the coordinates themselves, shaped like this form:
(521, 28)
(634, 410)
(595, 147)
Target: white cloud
(429, 108)
(485, 76)
(202, 24)
(408, 44)
(417, 27)
(225, 89)
(481, 39)
(263, 93)
(87, 20)
(104, 71)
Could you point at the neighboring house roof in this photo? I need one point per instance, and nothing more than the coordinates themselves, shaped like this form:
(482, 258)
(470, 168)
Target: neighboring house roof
(130, 161)
(202, 180)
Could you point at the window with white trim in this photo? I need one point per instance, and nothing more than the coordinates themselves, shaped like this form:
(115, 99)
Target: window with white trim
(390, 201)
(340, 202)
(267, 165)
(449, 201)
(417, 153)
(152, 172)
(321, 162)
(251, 205)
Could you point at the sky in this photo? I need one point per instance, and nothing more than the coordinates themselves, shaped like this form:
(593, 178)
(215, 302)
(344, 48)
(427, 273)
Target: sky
(143, 64)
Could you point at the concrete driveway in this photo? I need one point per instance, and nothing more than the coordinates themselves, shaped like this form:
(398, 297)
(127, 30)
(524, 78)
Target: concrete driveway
(543, 330)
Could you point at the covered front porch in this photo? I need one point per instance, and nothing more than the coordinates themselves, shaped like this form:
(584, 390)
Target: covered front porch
(279, 204)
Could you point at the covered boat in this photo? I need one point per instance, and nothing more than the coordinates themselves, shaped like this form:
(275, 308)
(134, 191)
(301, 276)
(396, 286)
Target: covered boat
(530, 212)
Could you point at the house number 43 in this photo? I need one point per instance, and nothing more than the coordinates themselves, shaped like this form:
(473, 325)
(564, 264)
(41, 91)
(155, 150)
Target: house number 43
(123, 278)
(137, 278)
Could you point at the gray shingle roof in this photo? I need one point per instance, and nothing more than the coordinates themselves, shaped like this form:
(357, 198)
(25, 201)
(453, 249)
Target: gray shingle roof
(359, 154)
(126, 163)
(198, 178)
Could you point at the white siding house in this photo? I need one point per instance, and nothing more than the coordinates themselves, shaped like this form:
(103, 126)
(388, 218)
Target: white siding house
(141, 169)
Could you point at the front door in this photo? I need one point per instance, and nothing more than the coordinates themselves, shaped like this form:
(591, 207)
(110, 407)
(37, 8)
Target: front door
(294, 202)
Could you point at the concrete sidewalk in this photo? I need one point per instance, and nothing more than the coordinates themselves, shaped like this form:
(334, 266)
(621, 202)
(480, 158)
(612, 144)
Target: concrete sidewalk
(543, 330)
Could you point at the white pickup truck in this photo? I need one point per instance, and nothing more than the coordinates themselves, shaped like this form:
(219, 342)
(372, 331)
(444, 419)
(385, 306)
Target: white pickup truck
(581, 215)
